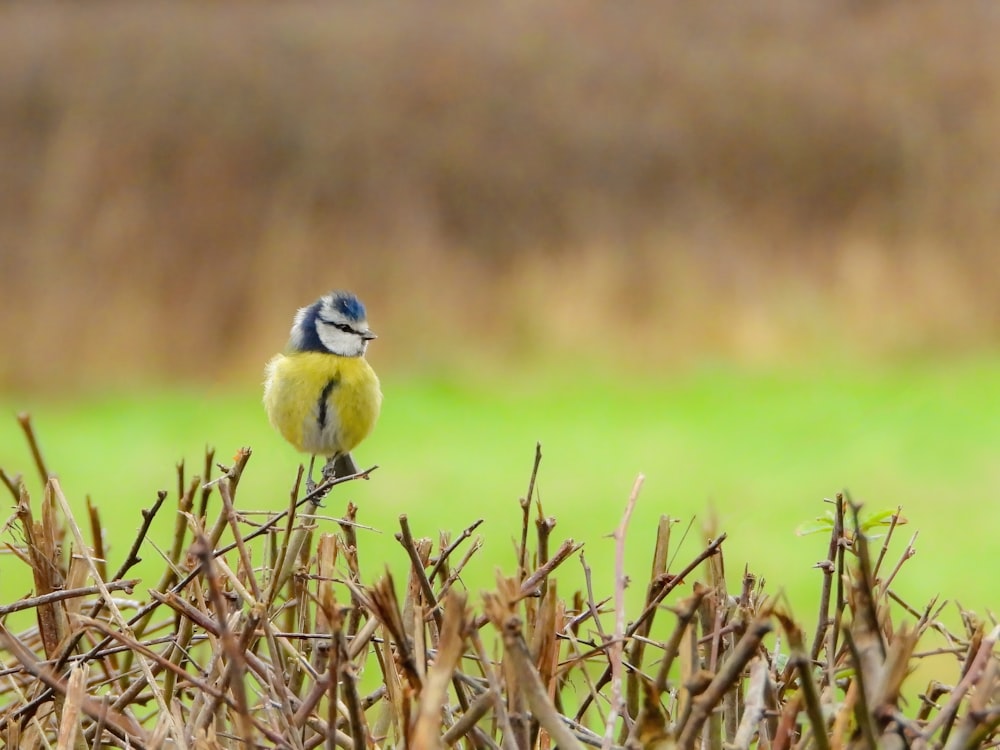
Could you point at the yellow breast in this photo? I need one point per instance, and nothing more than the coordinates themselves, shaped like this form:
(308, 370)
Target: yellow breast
(321, 403)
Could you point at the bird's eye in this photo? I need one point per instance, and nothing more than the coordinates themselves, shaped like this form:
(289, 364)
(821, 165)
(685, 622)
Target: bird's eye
(339, 326)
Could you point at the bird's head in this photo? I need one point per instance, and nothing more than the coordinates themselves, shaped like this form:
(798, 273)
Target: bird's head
(334, 323)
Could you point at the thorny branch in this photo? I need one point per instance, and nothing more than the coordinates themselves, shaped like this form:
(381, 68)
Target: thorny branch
(224, 647)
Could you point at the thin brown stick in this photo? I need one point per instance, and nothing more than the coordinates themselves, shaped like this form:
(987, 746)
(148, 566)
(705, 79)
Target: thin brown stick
(885, 542)
(527, 676)
(617, 642)
(427, 729)
(803, 665)
(58, 596)
(446, 553)
(467, 722)
(11, 483)
(405, 538)
(948, 713)
(276, 582)
(235, 653)
(710, 550)
(120, 725)
(906, 554)
(530, 584)
(116, 614)
(522, 563)
(132, 558)
(661, 552)
(823, 621)
(499, 709)
(862, 706)
(24, 420)
(705, 702)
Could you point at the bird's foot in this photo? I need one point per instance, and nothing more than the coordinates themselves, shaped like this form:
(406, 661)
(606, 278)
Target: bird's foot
(310, 484)
(340, 466)
(330, 470)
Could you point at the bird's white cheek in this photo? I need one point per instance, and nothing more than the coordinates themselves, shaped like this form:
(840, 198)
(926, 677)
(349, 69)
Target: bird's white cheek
(332, 339)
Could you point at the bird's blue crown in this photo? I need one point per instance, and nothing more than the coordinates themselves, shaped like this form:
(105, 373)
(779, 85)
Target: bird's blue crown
(348, 305)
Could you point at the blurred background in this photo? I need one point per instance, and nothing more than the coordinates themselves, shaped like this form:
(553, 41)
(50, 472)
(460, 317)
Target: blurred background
(749, 249)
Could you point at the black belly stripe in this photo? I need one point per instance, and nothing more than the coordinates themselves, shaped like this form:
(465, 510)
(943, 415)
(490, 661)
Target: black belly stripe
(331, 384)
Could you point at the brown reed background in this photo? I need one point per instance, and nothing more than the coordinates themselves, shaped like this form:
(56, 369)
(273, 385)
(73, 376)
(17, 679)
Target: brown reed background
(657, 182)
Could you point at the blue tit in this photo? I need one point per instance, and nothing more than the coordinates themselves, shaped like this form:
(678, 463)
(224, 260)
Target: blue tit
(321, 394)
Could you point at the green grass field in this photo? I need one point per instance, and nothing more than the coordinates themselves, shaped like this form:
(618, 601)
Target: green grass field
(759, 450)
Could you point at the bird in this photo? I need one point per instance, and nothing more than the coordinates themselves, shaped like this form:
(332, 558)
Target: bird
(321, 394)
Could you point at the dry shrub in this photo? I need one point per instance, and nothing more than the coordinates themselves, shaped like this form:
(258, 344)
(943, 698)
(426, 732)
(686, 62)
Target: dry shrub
(263, 634)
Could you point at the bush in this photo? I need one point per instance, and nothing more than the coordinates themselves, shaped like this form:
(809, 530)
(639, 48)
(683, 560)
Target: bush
(261, 634)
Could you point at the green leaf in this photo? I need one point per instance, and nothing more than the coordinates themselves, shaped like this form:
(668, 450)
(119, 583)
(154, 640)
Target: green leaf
(823, 523)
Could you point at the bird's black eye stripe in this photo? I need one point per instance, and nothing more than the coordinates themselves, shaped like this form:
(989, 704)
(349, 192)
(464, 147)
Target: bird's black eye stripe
(339, 326)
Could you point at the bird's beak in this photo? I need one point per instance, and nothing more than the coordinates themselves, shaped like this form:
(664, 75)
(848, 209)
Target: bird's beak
(368, 335)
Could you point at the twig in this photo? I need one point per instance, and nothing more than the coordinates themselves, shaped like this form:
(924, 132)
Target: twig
(592, 606)
(710, 550)
(658, 570)
(206, 490)
(24, 419)
(862, 706)
(58, 596)
(120, 725)
(979, 721)
(885, 543)
(615, 650)
(528, 680)
(647, 612)
(499, 709)
(405, 538)
(427, 729)
(566, 549)
(443, 556)
(166, 714)
(275, 583)
(456, 573)
(907, 553)
(29, 708)
(76, 687)
(702, 705)
(686, 612)
(754, 707)
(349, 680)
(236, 668)
(947, 714)
(205, 621)
(11, 484)
(477, 710)
(823, 621)
(799, 661)
(245, 562)
(132, 558)
(522, 562)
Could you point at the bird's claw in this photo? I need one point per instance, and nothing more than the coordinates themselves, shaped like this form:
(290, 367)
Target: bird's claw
(330, 470)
